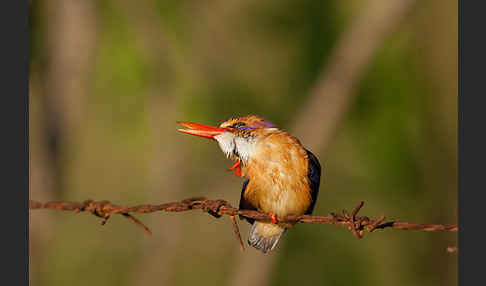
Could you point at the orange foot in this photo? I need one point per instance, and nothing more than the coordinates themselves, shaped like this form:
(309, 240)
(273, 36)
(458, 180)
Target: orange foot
(237, 167)
(274, 218)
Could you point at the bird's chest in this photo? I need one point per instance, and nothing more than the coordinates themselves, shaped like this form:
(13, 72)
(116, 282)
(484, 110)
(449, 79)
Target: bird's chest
(279, 199)
(278, 183)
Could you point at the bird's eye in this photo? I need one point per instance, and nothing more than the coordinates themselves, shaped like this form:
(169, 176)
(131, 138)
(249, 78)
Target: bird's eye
(238, 125)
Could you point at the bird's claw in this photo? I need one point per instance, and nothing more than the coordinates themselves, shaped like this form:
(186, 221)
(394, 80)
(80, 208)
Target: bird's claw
(273, 217)
(236, 167)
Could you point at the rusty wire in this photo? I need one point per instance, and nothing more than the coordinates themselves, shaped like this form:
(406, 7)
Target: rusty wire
(217, 208)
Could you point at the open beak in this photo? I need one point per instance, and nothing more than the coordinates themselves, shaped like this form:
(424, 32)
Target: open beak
(207, 131)
(201, 130)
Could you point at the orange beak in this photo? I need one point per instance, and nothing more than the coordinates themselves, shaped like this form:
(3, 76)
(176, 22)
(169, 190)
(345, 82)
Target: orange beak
(201, 130)
(207, 131)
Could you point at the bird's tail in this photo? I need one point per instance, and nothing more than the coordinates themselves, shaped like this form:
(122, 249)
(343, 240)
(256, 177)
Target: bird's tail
(265, 236)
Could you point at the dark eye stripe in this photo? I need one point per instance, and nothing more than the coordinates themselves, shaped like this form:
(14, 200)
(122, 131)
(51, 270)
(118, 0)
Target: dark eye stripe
(238, 124)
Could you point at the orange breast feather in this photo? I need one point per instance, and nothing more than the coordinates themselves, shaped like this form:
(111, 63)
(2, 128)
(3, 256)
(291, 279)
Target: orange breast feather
(278, 176)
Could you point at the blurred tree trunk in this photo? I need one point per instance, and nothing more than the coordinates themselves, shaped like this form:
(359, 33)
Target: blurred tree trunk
(334, 90)
(69, 48)
(56, 107)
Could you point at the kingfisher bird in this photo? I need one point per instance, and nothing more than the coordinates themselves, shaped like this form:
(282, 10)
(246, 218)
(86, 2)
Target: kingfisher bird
(281, 177)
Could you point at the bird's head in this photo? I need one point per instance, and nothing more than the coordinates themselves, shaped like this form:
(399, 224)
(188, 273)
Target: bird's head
(236, 136)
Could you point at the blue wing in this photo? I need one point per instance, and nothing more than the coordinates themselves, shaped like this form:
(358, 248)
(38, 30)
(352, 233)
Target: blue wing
(314, 175)
(245, 205)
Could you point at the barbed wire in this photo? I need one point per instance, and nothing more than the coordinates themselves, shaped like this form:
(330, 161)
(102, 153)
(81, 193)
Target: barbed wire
(217, 208)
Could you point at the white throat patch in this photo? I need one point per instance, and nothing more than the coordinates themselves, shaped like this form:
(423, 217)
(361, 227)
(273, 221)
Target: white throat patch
(226, 143)
(244, 147)
(231, 144)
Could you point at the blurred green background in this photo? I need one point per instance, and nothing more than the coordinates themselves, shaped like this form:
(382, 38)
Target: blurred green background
(109, 79)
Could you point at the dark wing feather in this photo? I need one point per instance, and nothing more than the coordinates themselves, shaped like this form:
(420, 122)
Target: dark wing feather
(314, 175)
(244, 204)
